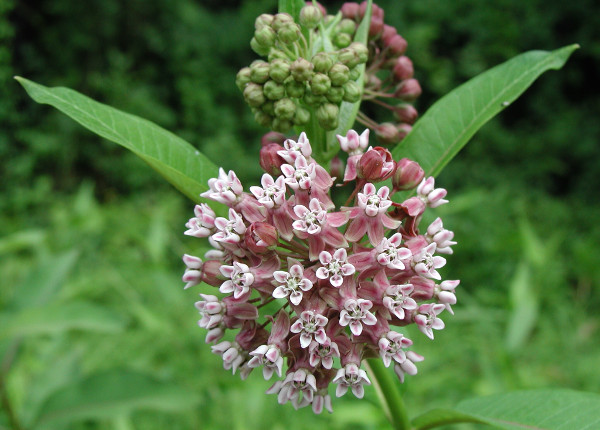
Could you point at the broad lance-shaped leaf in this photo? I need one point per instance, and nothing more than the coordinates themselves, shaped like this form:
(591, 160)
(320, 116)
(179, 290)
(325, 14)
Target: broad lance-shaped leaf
(548, 409)
(111, 393)
(449, 124)
(292, 7)
(176, 160)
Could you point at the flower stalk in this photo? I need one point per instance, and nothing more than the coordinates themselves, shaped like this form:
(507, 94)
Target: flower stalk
(389, 395)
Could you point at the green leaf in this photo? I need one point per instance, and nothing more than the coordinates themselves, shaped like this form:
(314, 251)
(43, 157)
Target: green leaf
(112, 393)
(43, 282)
(176, 160)
(449, 124)
(292, 7)
(56, 318)
(546, 409)
(524, 303)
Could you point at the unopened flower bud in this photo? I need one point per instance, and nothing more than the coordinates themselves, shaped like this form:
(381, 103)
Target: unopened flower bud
(273, 90)
(327, 115)
(320, 84)
(349, 57)
(355, 74)
(352, 92)
(288, 33)
(277, 54)
(294, 88)
(242, 78)
(253, 94)
(301, 116)
(376, 165)
(335, 95)
(281, 125)
(302, 69)
(263, 20)
(322, 62)
(259, 72)
(265, 36)
(403, 69)
(342, 40)
(211, 273)
(285, 108)
(406, 113)
(376, 27)
(261, 237)
(270, 161)
(262, 118)
(374, 83)
(350, 10)
(408, 90)
(361, 50)
(258, 48)
(403, 130)
(408, 175)
(387, 133)
(279, 70)
(388, 33)
(375, 10)
(397, 45)
(347, 26)
(310, 16)
(339, 74)
(268, 107)
(280, 19)
(313, 99)
(272, 137)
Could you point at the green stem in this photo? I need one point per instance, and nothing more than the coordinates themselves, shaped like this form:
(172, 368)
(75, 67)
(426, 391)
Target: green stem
(386, 387)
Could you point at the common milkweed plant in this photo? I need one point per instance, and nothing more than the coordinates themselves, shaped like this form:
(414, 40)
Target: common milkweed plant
(313, 273)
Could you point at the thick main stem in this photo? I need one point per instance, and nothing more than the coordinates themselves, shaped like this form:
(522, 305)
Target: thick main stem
(387, 390)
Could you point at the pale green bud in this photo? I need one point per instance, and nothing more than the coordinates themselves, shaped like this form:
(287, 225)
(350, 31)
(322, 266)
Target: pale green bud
(310, 16)
(263, 20)
(265, 36)
(301, 116)
(354, 74)
(294, 88)
(242, 78)
(288, 33)
(322, 62)
(273, 90)
(258, 48)
(259, 72)
(320, 84)
(280, 19)
(262, 118)
(269, 108)
(352, 92)
(339, 74)
(302, 69)
(347, 26)
(312, 99)
(348, 57)
(335, 94)
(361, 50)
(342, 40)
(280, 70)
(327, 115)
(253, 94)
(277, 54)
(285, 109)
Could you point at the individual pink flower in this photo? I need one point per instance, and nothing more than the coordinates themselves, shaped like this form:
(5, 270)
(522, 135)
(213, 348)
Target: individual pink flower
(351, 376)
(310, 325)
(293, 149)
(390, 253)
(442, 237)
(310, 219)
(272, 193)
(212, 311)
(323, 353)
(193, 272)
(397, 299)
(300, 175)
(370, 216)
(334, 267)
(226, 189)
(427, 320)
(203, 224)
(229, 230)
(232, 354)
(430, 195)
(425, 263)
(356, 313)
(240, 279)
(299, 387)
(408, 365)
(376, 165)
(391, 347)
(268, 356)
(292, 284)
(446, 295)
(352, 143)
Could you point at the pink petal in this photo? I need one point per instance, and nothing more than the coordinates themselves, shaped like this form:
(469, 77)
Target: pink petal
(356, 229)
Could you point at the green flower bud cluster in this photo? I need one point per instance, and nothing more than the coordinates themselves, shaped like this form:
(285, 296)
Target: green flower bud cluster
(295, 81)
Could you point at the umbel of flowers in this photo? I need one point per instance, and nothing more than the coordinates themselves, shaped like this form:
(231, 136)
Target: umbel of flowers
(306, 291)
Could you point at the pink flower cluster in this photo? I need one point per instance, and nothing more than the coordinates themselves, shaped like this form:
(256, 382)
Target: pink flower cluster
(312, 290)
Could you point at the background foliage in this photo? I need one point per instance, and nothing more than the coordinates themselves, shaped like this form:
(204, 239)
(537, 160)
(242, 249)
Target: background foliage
(85, 224)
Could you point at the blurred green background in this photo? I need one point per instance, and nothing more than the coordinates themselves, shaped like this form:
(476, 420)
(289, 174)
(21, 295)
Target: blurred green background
(96, 331)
